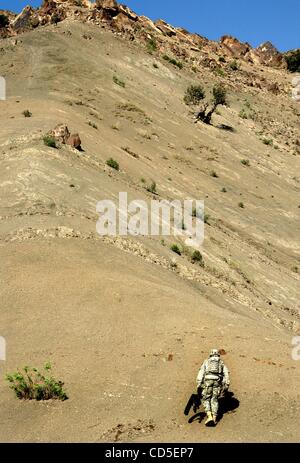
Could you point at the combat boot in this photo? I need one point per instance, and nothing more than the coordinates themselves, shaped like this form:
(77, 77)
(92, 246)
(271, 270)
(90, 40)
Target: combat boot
(210, 420)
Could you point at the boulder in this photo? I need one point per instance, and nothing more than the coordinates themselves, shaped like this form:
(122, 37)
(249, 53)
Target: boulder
(23, 20)
(60, 133)
(74, 141)
(236, 48)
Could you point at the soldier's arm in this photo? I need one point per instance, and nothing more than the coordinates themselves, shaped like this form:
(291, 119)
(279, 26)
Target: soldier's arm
(226, 377)
(200, 376)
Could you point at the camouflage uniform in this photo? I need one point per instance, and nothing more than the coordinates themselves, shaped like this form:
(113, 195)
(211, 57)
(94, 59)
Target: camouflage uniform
(212, 378)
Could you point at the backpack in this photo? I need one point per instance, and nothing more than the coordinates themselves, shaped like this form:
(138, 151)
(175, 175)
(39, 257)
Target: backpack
(214, 366)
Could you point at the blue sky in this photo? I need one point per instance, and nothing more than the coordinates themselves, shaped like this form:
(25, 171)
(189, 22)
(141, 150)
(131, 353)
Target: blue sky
(254, 21)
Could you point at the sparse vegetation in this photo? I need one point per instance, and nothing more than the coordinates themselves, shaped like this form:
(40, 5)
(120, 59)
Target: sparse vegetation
(31, 384)
(234, 66)
(194, 94)
(119, 82)
(151, 46)
(213, 173)
(152, 188)
(267, 141)
(197, 257)
(175, 248)
(155, 65)
(224, 190)
(293, 61)
(243, 114)
(219, 95)
(50, 141)
(92, 124)
(173, 61)
(245, 162)
(4, 21)
(222, 59)
(113, 164)
(27, 113)
(241, 205)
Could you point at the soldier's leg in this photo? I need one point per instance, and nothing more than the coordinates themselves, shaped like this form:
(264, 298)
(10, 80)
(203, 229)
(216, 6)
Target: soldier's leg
(216, 391)
(207, 397)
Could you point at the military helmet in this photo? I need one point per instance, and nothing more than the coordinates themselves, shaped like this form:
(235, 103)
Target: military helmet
(214, 352)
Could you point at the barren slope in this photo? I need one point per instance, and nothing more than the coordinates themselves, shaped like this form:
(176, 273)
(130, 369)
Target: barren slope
(109, 312)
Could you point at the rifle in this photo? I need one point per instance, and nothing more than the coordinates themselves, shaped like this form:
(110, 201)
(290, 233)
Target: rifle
(194, 401)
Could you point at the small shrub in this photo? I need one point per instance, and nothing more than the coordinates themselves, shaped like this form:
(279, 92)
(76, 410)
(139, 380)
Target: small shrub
(245, 162)
(197, 257)
(194, 94)
(175, 248)
(234, 65)
(92, 124)
(293, 61)
(241, 205)
(243, 114)
(119, 82)
(173, 61)
(31, 384)
(222, 59)
(151, 46)
(113, 164)
(49, 141)
(219, 72)
(4, 21)
(267, 141)
(152, 188)
(155, 65)
(27, 113)
(219, 95)
(224, 190)
(213, 173)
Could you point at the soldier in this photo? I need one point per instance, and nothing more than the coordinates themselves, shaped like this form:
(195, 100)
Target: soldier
(213, 378)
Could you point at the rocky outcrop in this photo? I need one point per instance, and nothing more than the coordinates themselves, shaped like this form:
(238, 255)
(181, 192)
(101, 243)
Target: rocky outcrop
(60, 133)
(123, 20)
(234, 47)
(266, 54)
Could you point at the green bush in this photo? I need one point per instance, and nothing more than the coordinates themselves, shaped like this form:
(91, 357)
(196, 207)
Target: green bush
(152, 188)
(234, 65)
(175, 248)
(197, 257)
(151, 46)
(222, 59)
(31, 384)
(293, 61)
(243, 114)
(194, 94)
(267, 141)
(219, 95)
(119, 82)
(49, 141)
(173, 61)
(113, 164)
(245, 162)
(4, 21)
(27, 113)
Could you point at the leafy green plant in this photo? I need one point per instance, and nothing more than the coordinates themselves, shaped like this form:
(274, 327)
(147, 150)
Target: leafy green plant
(31, 384)
(173, 61)
(50, 141)
(234, 66)
(267, 141)
(243, 114)
(197, 257)
(245, 162)
(113, 164)
(175, 248)
(119, 82)
(151, 46)
(152, 188)
(293, 61)
(194, 94)
(27, 113)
